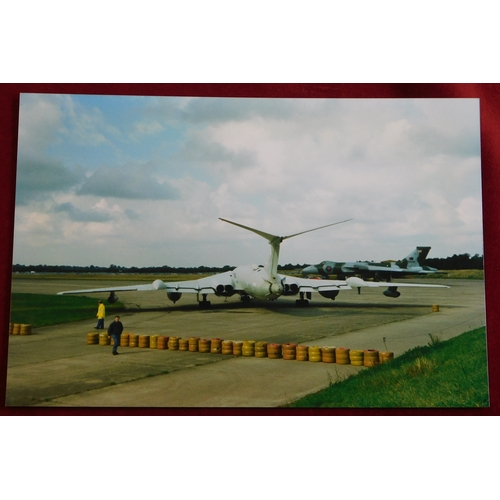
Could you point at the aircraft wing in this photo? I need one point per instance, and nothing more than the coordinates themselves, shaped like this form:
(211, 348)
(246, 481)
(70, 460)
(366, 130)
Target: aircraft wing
(209, 284)
(320, 285)
(314, 285)
(355, 282)
(130, 288)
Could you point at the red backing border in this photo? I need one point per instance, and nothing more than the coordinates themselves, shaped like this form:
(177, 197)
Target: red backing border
(489, 95)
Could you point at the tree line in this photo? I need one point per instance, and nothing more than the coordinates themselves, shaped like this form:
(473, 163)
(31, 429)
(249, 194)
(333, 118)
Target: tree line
(462, 261)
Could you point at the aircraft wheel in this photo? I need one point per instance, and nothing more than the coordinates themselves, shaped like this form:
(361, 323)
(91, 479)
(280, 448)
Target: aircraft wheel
(204, 304)
(301, 303)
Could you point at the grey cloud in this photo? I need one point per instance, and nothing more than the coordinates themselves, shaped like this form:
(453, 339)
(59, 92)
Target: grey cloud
(215, 110)
(37, 177)
(77, 215)
(434, 141)
(195, 150)
(127, 183)
(132, 214)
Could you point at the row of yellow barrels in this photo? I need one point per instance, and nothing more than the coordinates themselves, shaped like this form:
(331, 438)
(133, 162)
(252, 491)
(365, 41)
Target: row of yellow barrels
(249, 348)
(20, 329)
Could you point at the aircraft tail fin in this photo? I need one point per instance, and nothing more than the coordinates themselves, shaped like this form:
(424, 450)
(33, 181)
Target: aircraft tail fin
(275, 241)
(417, 257)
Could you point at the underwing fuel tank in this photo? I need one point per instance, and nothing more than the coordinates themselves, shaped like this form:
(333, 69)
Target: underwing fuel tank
(392, 291)
(329, 294)
(174, 296)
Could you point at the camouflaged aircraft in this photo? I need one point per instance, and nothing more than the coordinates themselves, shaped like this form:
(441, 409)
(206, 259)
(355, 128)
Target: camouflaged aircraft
(260, 282)
(413, 263)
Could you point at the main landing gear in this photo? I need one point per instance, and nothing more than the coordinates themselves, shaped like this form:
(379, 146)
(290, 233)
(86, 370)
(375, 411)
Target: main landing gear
(204, 304)
(303, 302)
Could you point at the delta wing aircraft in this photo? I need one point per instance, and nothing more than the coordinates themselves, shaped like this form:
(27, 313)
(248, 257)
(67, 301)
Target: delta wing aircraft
(413, 263)
(254, 281)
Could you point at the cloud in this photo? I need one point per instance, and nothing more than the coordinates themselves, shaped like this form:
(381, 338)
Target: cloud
(41, 118)
(38, 177)
(77, 215)
(133, 183)
(150, 176)
(142, 128)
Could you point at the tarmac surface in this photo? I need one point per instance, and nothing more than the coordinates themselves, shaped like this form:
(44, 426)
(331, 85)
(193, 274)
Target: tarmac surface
(54, 367)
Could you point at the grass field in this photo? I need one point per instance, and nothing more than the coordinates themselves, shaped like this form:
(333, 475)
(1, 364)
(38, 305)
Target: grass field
(147, 278)
(446, 374)
(134, 278)
(459, 274)
(45, 310)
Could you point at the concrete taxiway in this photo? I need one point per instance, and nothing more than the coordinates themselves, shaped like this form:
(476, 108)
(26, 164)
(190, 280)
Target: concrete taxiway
(55, 367)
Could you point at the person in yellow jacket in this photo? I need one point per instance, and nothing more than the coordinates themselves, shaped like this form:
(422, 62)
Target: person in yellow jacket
(101, 312)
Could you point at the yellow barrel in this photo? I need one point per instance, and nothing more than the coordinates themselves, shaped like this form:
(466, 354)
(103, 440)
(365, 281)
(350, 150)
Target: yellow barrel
(16, 329)
(288, 351)
(314, 353)
(227, 347)
(274, 351)
(216, 346)
(356, 357)
(133, 340)
(104, 339)
(237, 347)
(162, 342)
(435, 308)
(92, 338)
(248, 348)
(370, 357)
(301, 353)
(124, 339)
(173, 343)
(183, 344)
(25, 330)
(260, 349)
(204, 345)
(385, 356)
(342, 356)
(143, 341)
(328, 354)
(193, 344)
(153, 341)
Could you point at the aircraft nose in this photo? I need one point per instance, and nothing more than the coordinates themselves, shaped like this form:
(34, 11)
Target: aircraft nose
(310, 270)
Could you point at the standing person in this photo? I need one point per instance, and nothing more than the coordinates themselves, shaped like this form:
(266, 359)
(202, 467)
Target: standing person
(115, 329)
(101, 312)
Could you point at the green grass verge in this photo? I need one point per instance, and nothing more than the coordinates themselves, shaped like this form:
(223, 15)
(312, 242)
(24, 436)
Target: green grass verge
(459, 274)
(451, 373)
(45, 310)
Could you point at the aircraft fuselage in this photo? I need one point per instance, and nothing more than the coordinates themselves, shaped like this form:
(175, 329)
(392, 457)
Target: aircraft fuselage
(257, 282)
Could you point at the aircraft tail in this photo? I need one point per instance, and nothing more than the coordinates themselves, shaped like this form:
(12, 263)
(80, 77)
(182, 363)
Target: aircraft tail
(417, 257)
(275, 241)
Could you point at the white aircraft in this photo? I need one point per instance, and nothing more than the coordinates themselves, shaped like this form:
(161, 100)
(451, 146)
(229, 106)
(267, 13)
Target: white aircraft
(258, 282)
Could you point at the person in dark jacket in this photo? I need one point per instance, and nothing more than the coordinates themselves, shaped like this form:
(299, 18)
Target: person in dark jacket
(115, 330)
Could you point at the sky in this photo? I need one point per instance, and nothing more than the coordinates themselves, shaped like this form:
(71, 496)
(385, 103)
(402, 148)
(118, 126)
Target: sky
(142, 181)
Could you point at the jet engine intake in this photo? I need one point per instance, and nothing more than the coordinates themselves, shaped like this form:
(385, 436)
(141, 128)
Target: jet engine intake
(329, 294)
(174, 296)
(291, 289)
(392, 291)
(112, 298)
(224, 290)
